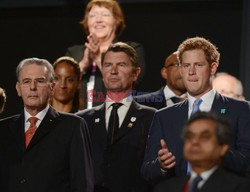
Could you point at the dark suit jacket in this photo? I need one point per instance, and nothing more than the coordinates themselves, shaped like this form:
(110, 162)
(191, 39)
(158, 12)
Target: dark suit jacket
(117, 166)
(77, 53)
(58, 158)
(219, 181)
(168, 124)
(155, 99)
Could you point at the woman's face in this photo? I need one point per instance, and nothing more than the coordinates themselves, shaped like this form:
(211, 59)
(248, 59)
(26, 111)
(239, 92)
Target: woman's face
(66, 82)
(101, 23)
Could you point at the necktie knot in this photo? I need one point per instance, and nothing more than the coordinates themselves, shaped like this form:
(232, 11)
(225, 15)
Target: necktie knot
(175, 99)
(33, 120)
(196, 106)
(194, 185)
(116, 105)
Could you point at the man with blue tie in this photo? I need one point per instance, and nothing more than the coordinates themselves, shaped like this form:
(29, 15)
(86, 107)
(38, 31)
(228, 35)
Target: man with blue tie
(163, 158)
(207, 137)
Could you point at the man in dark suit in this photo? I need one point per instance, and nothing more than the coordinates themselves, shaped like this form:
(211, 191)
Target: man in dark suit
(199, 60)
(207, 138)
(43, 150)
(174, 90)
(119, 149)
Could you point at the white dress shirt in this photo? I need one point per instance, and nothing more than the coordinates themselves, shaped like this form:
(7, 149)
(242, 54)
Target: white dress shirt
(168, 94)
(204, 175)
(39, 115)
(122, 111)
(206, 104)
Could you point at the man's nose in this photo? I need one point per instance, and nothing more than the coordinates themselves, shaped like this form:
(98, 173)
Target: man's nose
(191, 69)
(114, 69)
(33, 85)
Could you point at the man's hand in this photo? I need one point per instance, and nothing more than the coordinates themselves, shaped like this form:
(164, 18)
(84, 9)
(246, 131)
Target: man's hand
(165, 157)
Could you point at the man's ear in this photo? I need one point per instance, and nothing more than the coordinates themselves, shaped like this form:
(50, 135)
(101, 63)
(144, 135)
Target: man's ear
(164, 73)
(18, 89)
(214, 67)
(137, 72)
(224, 149)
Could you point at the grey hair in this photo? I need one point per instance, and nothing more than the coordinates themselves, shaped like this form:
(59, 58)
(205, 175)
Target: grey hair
(36, 61)
(239, 89)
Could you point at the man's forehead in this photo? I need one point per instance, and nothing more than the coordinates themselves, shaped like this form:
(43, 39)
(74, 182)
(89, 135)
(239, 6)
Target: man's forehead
(29, 71)
(116, 57)
(171, 59)
(120, 53)
(201, 125)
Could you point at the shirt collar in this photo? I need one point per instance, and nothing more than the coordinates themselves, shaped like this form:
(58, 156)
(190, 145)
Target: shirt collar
(39, 115)
(207, 100)
(204, 175)
(168, 93)
(125, 101)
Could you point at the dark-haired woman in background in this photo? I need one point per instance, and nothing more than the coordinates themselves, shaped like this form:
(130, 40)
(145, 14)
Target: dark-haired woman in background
(67, 97)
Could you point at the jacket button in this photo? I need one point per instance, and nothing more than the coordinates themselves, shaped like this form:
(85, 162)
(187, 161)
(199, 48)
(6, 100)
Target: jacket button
(23, 181)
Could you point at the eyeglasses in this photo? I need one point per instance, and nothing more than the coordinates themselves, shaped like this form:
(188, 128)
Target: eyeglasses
(102, 14)
(174, 64)
(40, 82)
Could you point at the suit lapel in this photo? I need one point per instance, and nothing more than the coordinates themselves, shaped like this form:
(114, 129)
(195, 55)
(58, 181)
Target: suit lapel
(219, 104)
(17, 128)
(48, 123)
(163, 103)
(99, 122)
(129, 123)
(213, 181)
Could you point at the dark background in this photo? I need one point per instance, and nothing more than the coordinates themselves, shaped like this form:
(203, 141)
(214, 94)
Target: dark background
(46, 28)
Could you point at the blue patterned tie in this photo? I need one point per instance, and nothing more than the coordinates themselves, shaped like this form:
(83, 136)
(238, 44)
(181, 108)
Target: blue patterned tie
(196, 106)
(194, 185)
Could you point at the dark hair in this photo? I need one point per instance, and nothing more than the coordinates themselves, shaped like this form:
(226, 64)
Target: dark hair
(2, 99)
(113, 6)
(77, 100)
(36, 61)
(223, 126)
(122, 47)
(71, 61)
(210, 50)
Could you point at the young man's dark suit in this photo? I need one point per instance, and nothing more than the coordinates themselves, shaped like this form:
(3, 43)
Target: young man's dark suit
(168, 124)
(219, 181)
(117, 166)
(155, 99)
(56, 160)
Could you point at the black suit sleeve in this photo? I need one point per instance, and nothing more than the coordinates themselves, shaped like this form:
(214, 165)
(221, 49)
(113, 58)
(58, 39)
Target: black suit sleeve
(81, 169)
